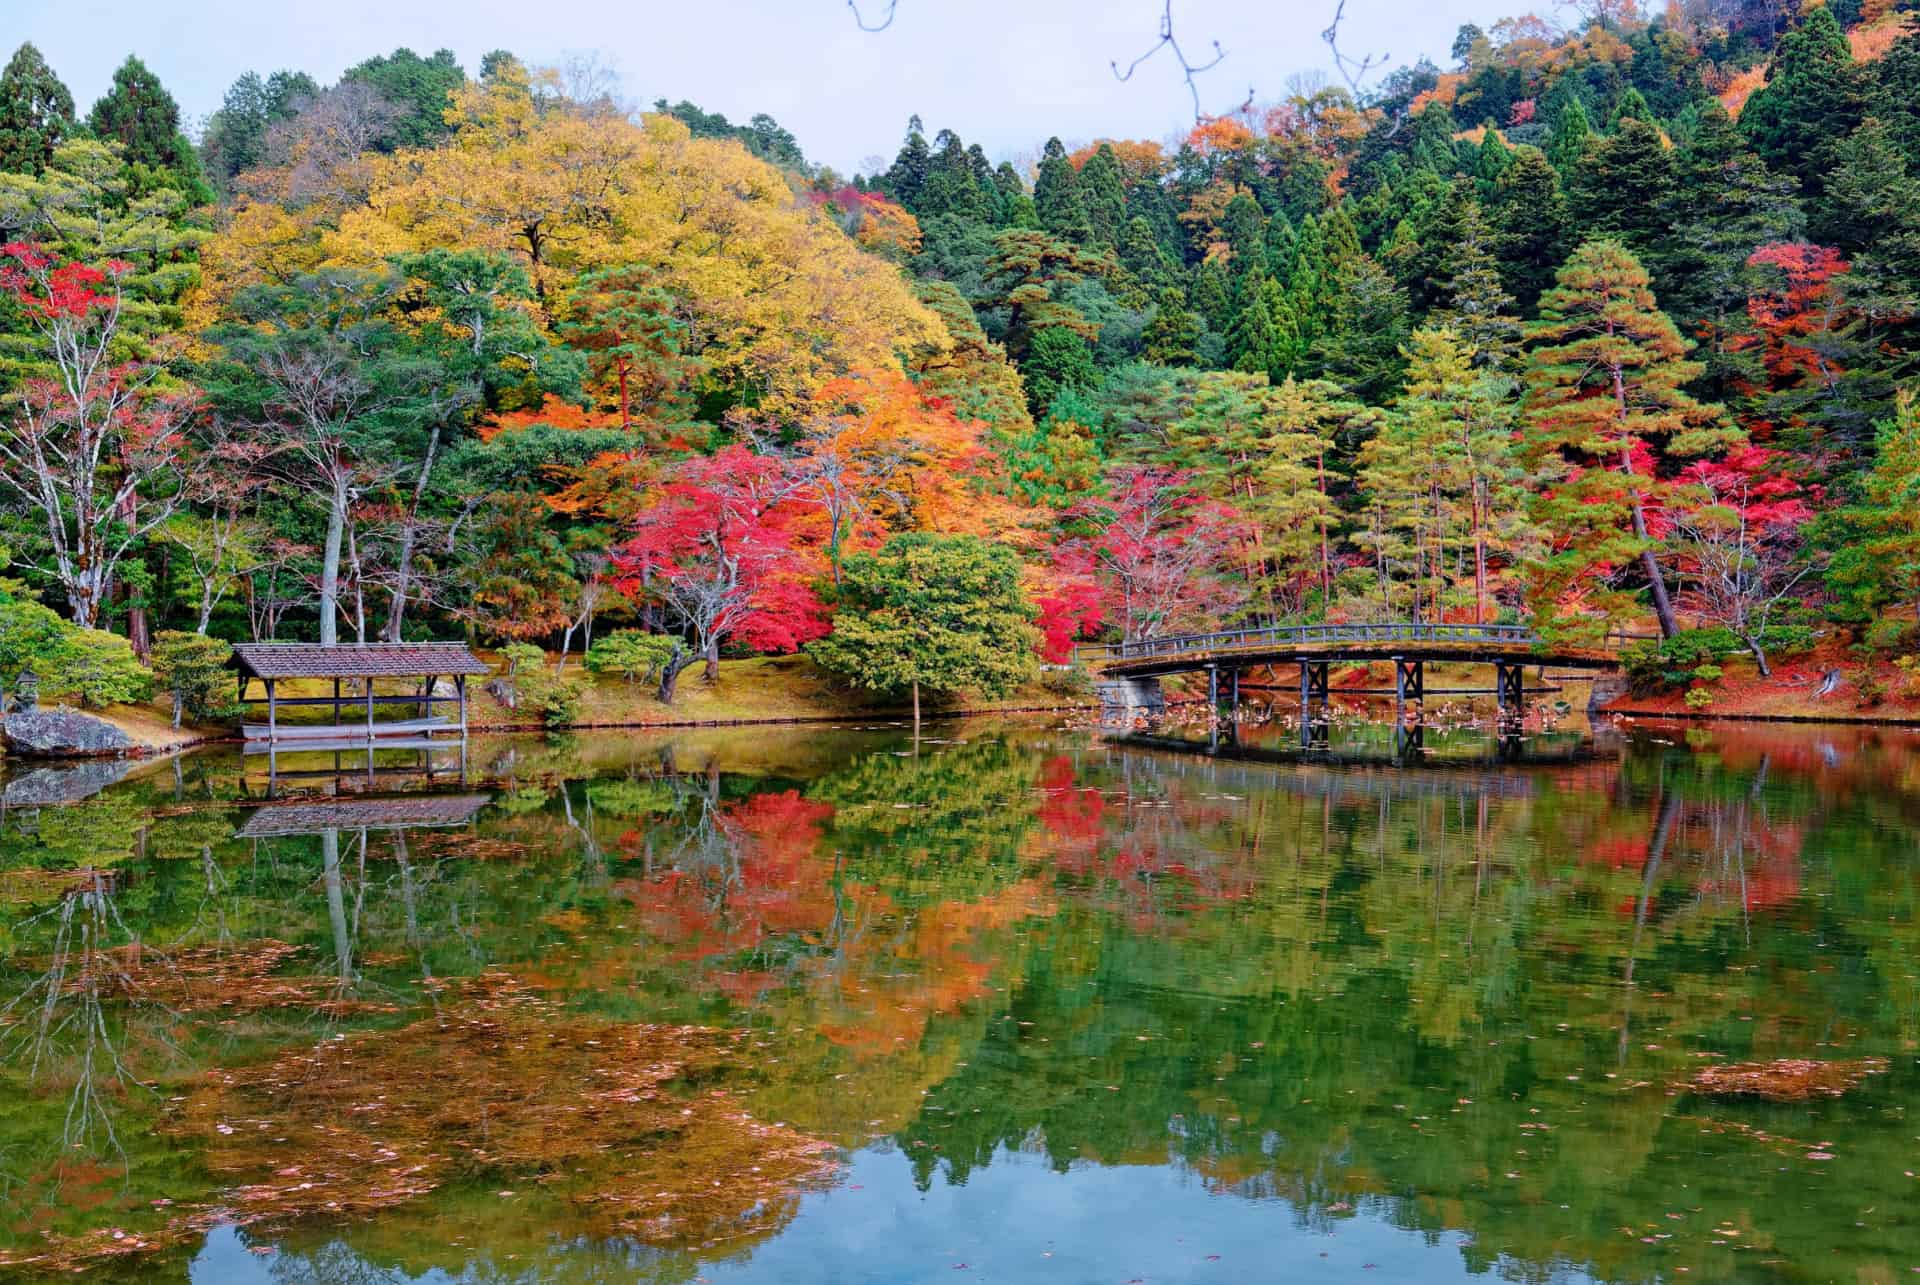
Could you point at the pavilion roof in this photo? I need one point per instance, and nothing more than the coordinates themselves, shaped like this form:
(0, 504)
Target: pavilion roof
(355, 660)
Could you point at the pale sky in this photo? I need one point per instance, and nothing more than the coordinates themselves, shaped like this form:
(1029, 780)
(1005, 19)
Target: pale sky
(1004, 73)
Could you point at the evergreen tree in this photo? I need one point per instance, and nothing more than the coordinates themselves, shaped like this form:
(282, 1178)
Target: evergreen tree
(1360, 347)
(1169, 338)
(1444, 486)
(1528, 216)
(1057, 358)
(1723, 204)
(1476, 305)
(1876, 541)
(1104, 196)
(236, 135)
(1622, 185)
(138, 113)
(1253, 337)
(1492, 161)
(1212, 295)
(1141, 255)
(419, 88)
(1814, 93)
(907, 177)
(1893, 94)
(1243, 227)
(1571, 131)
(1606, 379)
(1631, 105)
(36, 112)
(1057, 195)
(950, 187)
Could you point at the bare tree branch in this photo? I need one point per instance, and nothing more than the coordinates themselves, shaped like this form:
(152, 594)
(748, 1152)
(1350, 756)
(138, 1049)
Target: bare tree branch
(860, 19)
(1188, 68)
(1353, 70)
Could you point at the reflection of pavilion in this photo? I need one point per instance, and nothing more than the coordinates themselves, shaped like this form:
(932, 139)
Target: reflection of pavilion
(322, 815)
(361, 761)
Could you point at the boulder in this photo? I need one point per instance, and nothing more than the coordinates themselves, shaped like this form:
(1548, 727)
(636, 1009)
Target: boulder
(63, 733)
(63, 783)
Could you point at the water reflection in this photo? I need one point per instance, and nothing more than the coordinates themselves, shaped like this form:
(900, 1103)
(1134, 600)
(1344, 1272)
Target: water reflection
(1064, 1003)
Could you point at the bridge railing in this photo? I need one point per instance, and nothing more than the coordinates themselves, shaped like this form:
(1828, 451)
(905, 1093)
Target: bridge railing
(1309, 635)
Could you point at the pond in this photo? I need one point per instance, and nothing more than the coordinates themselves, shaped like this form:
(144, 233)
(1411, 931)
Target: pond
(1011, 1001)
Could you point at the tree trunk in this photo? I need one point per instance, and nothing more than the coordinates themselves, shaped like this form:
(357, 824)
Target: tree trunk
(713, 660)
(330, 566)
(670, 673)
(916, 703)
(1759, 654)
(403, 570)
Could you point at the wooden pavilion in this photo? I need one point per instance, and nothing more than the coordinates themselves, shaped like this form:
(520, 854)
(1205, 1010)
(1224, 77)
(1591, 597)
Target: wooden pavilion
(416, 665)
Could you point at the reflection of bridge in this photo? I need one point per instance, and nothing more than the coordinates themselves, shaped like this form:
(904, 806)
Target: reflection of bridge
(1131, 670)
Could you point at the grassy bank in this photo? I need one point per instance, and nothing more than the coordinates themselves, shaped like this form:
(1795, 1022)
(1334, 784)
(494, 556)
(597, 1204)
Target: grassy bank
(1870, 691)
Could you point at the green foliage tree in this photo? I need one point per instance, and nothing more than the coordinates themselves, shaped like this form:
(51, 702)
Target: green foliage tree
(1528, 216)
(1058, 358)
(416, 88)
(938, 611)
(192, 669)
(1057, 196)
(1815, 93)
(36, 112)
(1875, 564)
(140, 115)
(631, 653)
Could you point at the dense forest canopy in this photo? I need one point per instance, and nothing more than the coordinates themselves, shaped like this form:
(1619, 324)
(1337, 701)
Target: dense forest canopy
(1588, 324)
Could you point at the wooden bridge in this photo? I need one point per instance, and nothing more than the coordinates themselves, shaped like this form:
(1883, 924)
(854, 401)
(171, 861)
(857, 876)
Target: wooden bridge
(1131, 670)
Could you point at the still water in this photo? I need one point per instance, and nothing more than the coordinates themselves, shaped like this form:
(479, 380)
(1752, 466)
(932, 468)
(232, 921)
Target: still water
(1012, 1002)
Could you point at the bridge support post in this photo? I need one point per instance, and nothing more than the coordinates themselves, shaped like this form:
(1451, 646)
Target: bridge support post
(1315, 688)
(1409, 687)
(1510, 692)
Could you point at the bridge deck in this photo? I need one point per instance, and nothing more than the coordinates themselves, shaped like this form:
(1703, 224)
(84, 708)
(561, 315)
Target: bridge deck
(1290, 644)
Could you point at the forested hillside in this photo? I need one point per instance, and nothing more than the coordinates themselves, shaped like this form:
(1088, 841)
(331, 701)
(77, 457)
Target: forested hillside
(1583, 326)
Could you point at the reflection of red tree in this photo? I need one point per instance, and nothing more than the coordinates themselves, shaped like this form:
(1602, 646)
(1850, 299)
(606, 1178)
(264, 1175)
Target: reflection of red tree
(1071, 813)
(773, 883)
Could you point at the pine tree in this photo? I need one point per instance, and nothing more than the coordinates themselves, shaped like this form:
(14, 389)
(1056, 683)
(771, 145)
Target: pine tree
(138, 113)
(1606, 380)
(1631, 105)
(1104, 196)
(1140, 254)
(1444, 485)
(1814, 93)
(1298, 512)
(1057, 195)
(36, 112)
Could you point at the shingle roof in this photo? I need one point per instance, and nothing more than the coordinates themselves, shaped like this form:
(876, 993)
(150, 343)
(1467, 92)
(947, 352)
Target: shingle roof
(358, 814)
(355, 660)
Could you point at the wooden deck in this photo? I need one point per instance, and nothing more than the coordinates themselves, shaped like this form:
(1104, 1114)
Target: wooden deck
(356, 733)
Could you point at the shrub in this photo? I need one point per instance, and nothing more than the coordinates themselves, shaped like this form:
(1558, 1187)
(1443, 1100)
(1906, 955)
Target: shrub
(1699, 698)
(1067, 681)
(1909, 667)
(630, 653)
(1868, 685)
(535, 689)
(192, 668)
(99, 669)
(31, 637)
(1653, 666)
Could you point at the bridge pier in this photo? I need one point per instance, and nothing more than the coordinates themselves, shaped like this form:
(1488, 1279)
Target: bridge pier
(1510, 694)
(1315, 689)
(1409, 687)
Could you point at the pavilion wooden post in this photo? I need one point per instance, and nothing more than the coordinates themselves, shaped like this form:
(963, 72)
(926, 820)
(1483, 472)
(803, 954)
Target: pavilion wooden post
(460, 686)
(369, 681)
(336, 701)
(273, 713)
